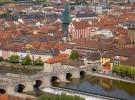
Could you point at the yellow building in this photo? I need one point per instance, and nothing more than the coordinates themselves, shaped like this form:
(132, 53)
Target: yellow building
(106, 64)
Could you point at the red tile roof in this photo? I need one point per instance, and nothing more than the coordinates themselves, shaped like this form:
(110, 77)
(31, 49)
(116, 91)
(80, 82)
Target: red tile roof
(80, 24)
(59, 58)
(55, 60)
(48, 45)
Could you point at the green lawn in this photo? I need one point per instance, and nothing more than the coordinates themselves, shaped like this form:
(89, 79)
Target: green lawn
(60, 97)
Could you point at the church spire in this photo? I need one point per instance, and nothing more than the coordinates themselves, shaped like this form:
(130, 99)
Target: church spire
(66, 18)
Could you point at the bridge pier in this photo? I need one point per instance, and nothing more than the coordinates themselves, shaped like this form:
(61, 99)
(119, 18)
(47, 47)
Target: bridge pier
(89, 72)
(10, 90)
(62, 77)
(46, 82)
(29, 86)
(76, 74)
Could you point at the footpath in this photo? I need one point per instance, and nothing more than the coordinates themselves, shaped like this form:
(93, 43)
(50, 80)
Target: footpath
(111, 77)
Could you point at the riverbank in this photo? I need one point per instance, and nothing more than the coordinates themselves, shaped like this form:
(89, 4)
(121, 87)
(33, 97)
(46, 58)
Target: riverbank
(20, 66)
(111, 77)
(19, 69)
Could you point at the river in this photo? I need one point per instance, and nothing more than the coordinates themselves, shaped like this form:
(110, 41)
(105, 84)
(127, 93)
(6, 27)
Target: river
(101, 86)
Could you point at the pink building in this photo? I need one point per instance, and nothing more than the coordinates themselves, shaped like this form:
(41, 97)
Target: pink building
(79, 29)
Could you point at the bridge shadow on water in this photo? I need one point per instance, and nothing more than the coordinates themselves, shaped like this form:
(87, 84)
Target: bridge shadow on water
(82, 74)
(37, 84)
(19, 88)
(69, 76)
(2, 91)
(54, 79)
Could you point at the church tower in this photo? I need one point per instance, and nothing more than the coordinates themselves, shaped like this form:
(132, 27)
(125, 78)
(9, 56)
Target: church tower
(66, 18)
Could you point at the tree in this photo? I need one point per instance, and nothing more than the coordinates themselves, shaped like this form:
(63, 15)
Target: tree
(14, 59)
(38, 62)
(74, 55)
(26, 60)
(129, 72)
(123, 70)
(133, 72)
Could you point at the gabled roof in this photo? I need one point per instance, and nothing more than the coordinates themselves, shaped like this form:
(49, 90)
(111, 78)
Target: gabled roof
(80, 24)
(57, 59)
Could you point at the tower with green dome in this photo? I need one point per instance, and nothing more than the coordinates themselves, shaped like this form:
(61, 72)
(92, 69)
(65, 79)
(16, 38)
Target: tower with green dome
(66, 18)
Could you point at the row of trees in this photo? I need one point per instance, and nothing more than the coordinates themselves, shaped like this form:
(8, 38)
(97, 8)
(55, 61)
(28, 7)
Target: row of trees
(60, 97)
(25, 61)
(124, 70)
(28, 61)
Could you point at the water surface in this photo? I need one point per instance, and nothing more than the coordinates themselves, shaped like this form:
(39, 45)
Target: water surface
(101, 86)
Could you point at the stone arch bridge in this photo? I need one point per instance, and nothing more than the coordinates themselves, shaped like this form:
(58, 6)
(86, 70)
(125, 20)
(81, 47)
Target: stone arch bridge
(21, 83)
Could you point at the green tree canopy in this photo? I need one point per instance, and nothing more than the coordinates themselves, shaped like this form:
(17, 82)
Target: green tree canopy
(38, 62)
(14, 59)
(74, 55)
(124, 70)
(26, 60)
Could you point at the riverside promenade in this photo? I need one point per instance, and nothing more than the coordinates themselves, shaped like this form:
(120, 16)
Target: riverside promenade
(112, 77)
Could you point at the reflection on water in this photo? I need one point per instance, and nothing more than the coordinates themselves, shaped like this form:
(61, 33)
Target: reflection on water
(101, 86)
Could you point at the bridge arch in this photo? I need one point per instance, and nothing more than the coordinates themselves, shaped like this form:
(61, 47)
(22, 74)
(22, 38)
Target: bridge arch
(82, 73)
(94, 69)
(37, 84)
(2, 91)
(19, 88)
(54, 79)
(68, 76)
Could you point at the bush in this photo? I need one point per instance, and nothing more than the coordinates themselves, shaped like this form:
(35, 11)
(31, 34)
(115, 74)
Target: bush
(14, 59)
(38, 62)
(26, 61)
(124, 70)
(74, 55)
